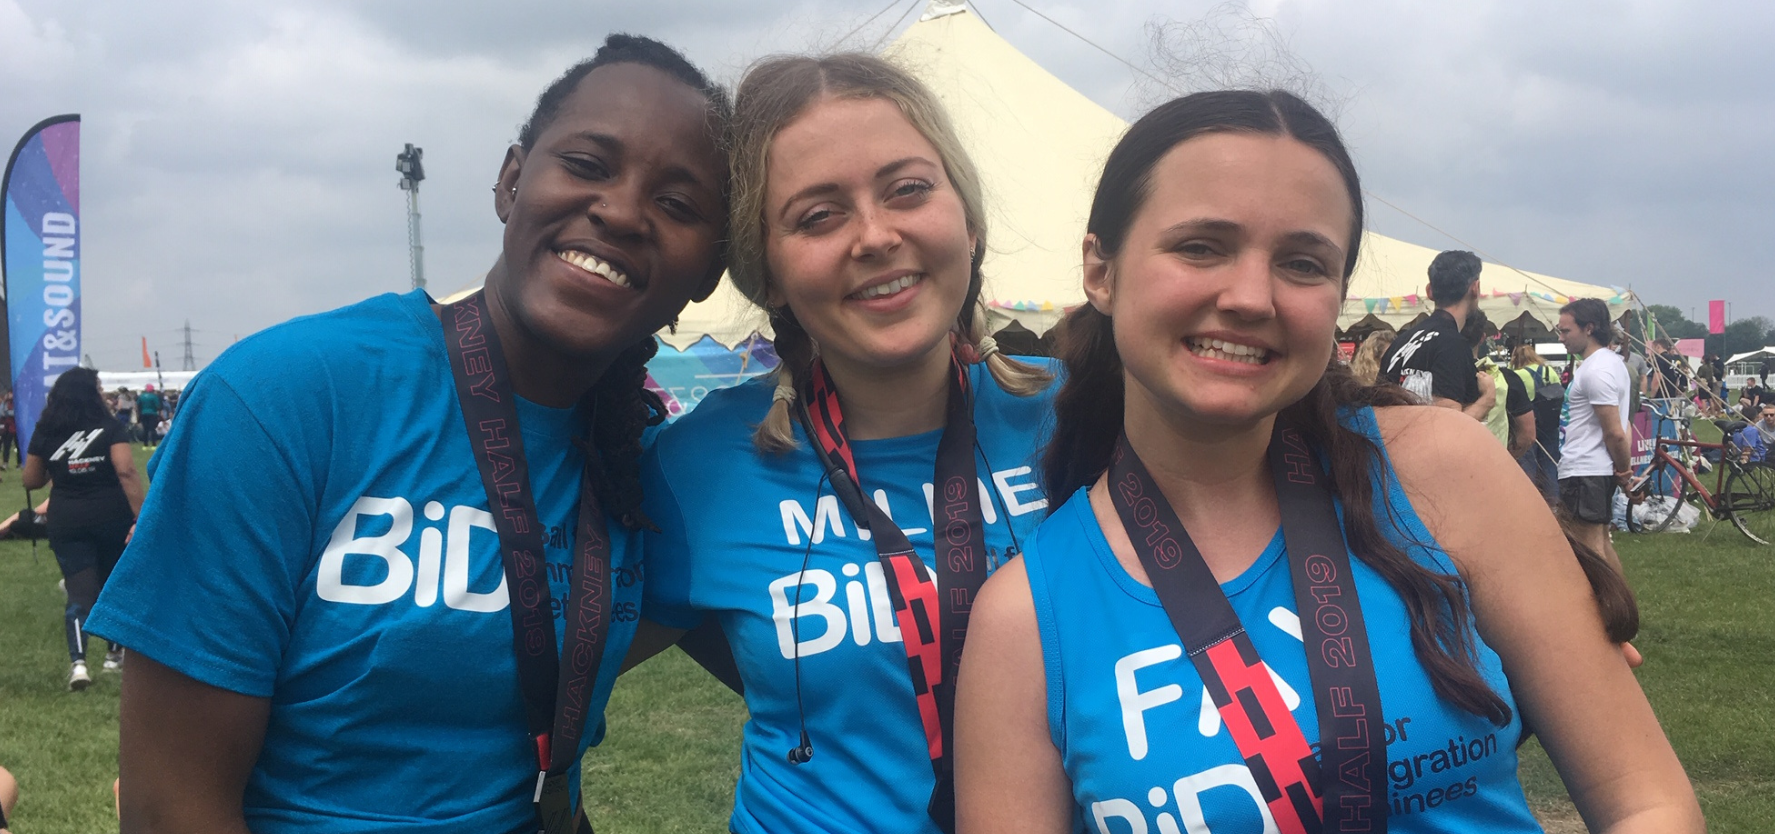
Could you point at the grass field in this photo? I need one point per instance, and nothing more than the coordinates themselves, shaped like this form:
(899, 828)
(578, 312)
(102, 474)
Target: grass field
(672, 753)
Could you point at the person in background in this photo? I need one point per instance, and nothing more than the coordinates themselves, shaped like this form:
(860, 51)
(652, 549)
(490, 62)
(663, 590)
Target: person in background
(1510, 420)
(1594, 445)
(149, 405)
(80, 448)
(1706, 380)
(1639, 371)
(1755, 440)
(1752, 398)
(1431, 359)
(1669, 384)
(8, 432)
(1365, 366)
(1547, 395)
(126, 409)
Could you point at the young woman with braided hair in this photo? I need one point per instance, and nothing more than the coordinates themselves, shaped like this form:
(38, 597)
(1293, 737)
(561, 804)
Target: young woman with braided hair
(359, 619)
(835, 517)
(1276, 599)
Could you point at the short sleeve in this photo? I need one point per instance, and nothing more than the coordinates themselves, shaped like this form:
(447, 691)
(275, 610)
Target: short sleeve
(40, 445)
(665, 595)
(208, 584)
(1454, 376)
(1517, 400)
(114, 432)
(1604, 388)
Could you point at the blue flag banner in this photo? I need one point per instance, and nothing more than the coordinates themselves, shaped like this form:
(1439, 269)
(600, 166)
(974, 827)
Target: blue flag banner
(41, 257)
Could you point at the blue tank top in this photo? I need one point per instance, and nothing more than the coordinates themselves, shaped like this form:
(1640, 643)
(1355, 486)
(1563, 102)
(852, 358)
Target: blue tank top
(1143, 744)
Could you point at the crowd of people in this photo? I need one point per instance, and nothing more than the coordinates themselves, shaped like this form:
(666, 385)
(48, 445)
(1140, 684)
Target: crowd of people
(959, 591)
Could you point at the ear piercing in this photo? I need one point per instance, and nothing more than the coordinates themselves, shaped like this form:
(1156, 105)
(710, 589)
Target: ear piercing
(513, 189)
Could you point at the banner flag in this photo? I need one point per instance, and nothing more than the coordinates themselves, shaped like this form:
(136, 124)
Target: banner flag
(147, 365)
(40, 250)
(1716, 316)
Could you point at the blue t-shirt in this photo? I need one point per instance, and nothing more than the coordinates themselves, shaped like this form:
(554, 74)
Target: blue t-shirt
(1142, 742)
(738, 524)
(317, 534)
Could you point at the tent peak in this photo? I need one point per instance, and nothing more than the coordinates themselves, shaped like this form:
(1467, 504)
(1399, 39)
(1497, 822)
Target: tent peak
(943, 8)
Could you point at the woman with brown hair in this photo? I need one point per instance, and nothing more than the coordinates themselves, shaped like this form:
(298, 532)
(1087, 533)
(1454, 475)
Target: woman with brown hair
(1276, 600)
(836, 517)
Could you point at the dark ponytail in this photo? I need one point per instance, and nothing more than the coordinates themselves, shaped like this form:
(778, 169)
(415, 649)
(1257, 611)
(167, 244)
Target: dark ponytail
(1088, 408)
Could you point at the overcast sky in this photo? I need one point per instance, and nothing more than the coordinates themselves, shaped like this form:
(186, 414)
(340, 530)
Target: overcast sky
(237, 158)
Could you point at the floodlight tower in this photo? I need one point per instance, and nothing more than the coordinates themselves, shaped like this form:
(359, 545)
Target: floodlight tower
(407, 162)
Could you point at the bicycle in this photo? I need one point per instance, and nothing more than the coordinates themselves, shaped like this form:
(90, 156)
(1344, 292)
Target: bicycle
(1743, 493)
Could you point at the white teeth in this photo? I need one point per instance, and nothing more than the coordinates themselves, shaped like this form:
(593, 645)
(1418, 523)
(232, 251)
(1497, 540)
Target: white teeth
(594, 266)
(1229, 351)
(890, 287)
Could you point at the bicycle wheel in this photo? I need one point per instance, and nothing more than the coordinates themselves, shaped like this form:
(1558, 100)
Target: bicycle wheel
(1665, 493)
(1749, 500)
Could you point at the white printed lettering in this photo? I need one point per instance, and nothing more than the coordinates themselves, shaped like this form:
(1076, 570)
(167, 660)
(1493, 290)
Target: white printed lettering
(456, 550)
(330, 581)
(783, 613)
(1134, 702)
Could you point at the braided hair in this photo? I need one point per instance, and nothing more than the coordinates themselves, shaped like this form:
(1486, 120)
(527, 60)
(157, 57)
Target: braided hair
(620, 408)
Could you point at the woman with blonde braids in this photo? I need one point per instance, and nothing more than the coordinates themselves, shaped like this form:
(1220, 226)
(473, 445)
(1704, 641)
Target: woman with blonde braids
(799, 509)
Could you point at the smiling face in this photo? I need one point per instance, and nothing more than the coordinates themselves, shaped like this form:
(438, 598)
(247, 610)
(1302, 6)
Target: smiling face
(617, 215)
(866, 241)
(1226, 291)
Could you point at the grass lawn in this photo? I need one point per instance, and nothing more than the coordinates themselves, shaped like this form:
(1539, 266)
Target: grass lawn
(673, 747)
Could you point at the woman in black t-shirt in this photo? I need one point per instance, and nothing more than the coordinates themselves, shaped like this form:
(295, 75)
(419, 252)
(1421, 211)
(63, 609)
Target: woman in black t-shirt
(82, 449)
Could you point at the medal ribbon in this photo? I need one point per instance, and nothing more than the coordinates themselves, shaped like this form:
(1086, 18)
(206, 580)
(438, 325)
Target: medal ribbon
(556, 689)
(1293, 782)
(932, 612)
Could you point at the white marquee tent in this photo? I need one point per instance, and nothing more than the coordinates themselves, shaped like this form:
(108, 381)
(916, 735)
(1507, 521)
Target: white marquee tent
(1040, 146)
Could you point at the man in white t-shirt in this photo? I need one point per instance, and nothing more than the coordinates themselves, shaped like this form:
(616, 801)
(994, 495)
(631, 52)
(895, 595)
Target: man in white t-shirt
(1594, 439)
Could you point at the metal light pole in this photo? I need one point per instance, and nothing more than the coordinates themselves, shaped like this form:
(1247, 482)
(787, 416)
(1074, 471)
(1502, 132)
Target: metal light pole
(407, 162)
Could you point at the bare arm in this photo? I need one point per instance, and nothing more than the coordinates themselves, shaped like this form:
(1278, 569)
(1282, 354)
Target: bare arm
(124, 461)
(1488, 397)
(35, 475)
(1008, 775)
(1538, 613)
(1615, 440)
(1522, 433)
(186, 749)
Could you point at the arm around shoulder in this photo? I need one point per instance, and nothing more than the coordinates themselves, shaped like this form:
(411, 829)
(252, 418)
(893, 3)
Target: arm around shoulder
(1008, 774)
(1534, 607)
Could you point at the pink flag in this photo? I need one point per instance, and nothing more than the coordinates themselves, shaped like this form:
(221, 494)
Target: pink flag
(1716, 316)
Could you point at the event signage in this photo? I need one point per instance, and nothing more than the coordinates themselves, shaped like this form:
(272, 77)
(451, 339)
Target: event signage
(41, 257)
(1716, 317)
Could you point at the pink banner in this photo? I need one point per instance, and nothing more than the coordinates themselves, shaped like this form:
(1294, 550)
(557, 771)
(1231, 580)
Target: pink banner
(1716, 316)
(1691, 347)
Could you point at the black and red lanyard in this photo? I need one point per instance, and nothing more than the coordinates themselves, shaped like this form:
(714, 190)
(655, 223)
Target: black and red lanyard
(557, 688)
(932, 614)
(1347, 786)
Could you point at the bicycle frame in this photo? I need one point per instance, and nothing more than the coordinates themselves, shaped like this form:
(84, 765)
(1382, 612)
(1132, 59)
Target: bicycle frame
(1709, 498)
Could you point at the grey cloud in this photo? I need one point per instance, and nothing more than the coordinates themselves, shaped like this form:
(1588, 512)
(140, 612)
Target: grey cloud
(238, 158)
